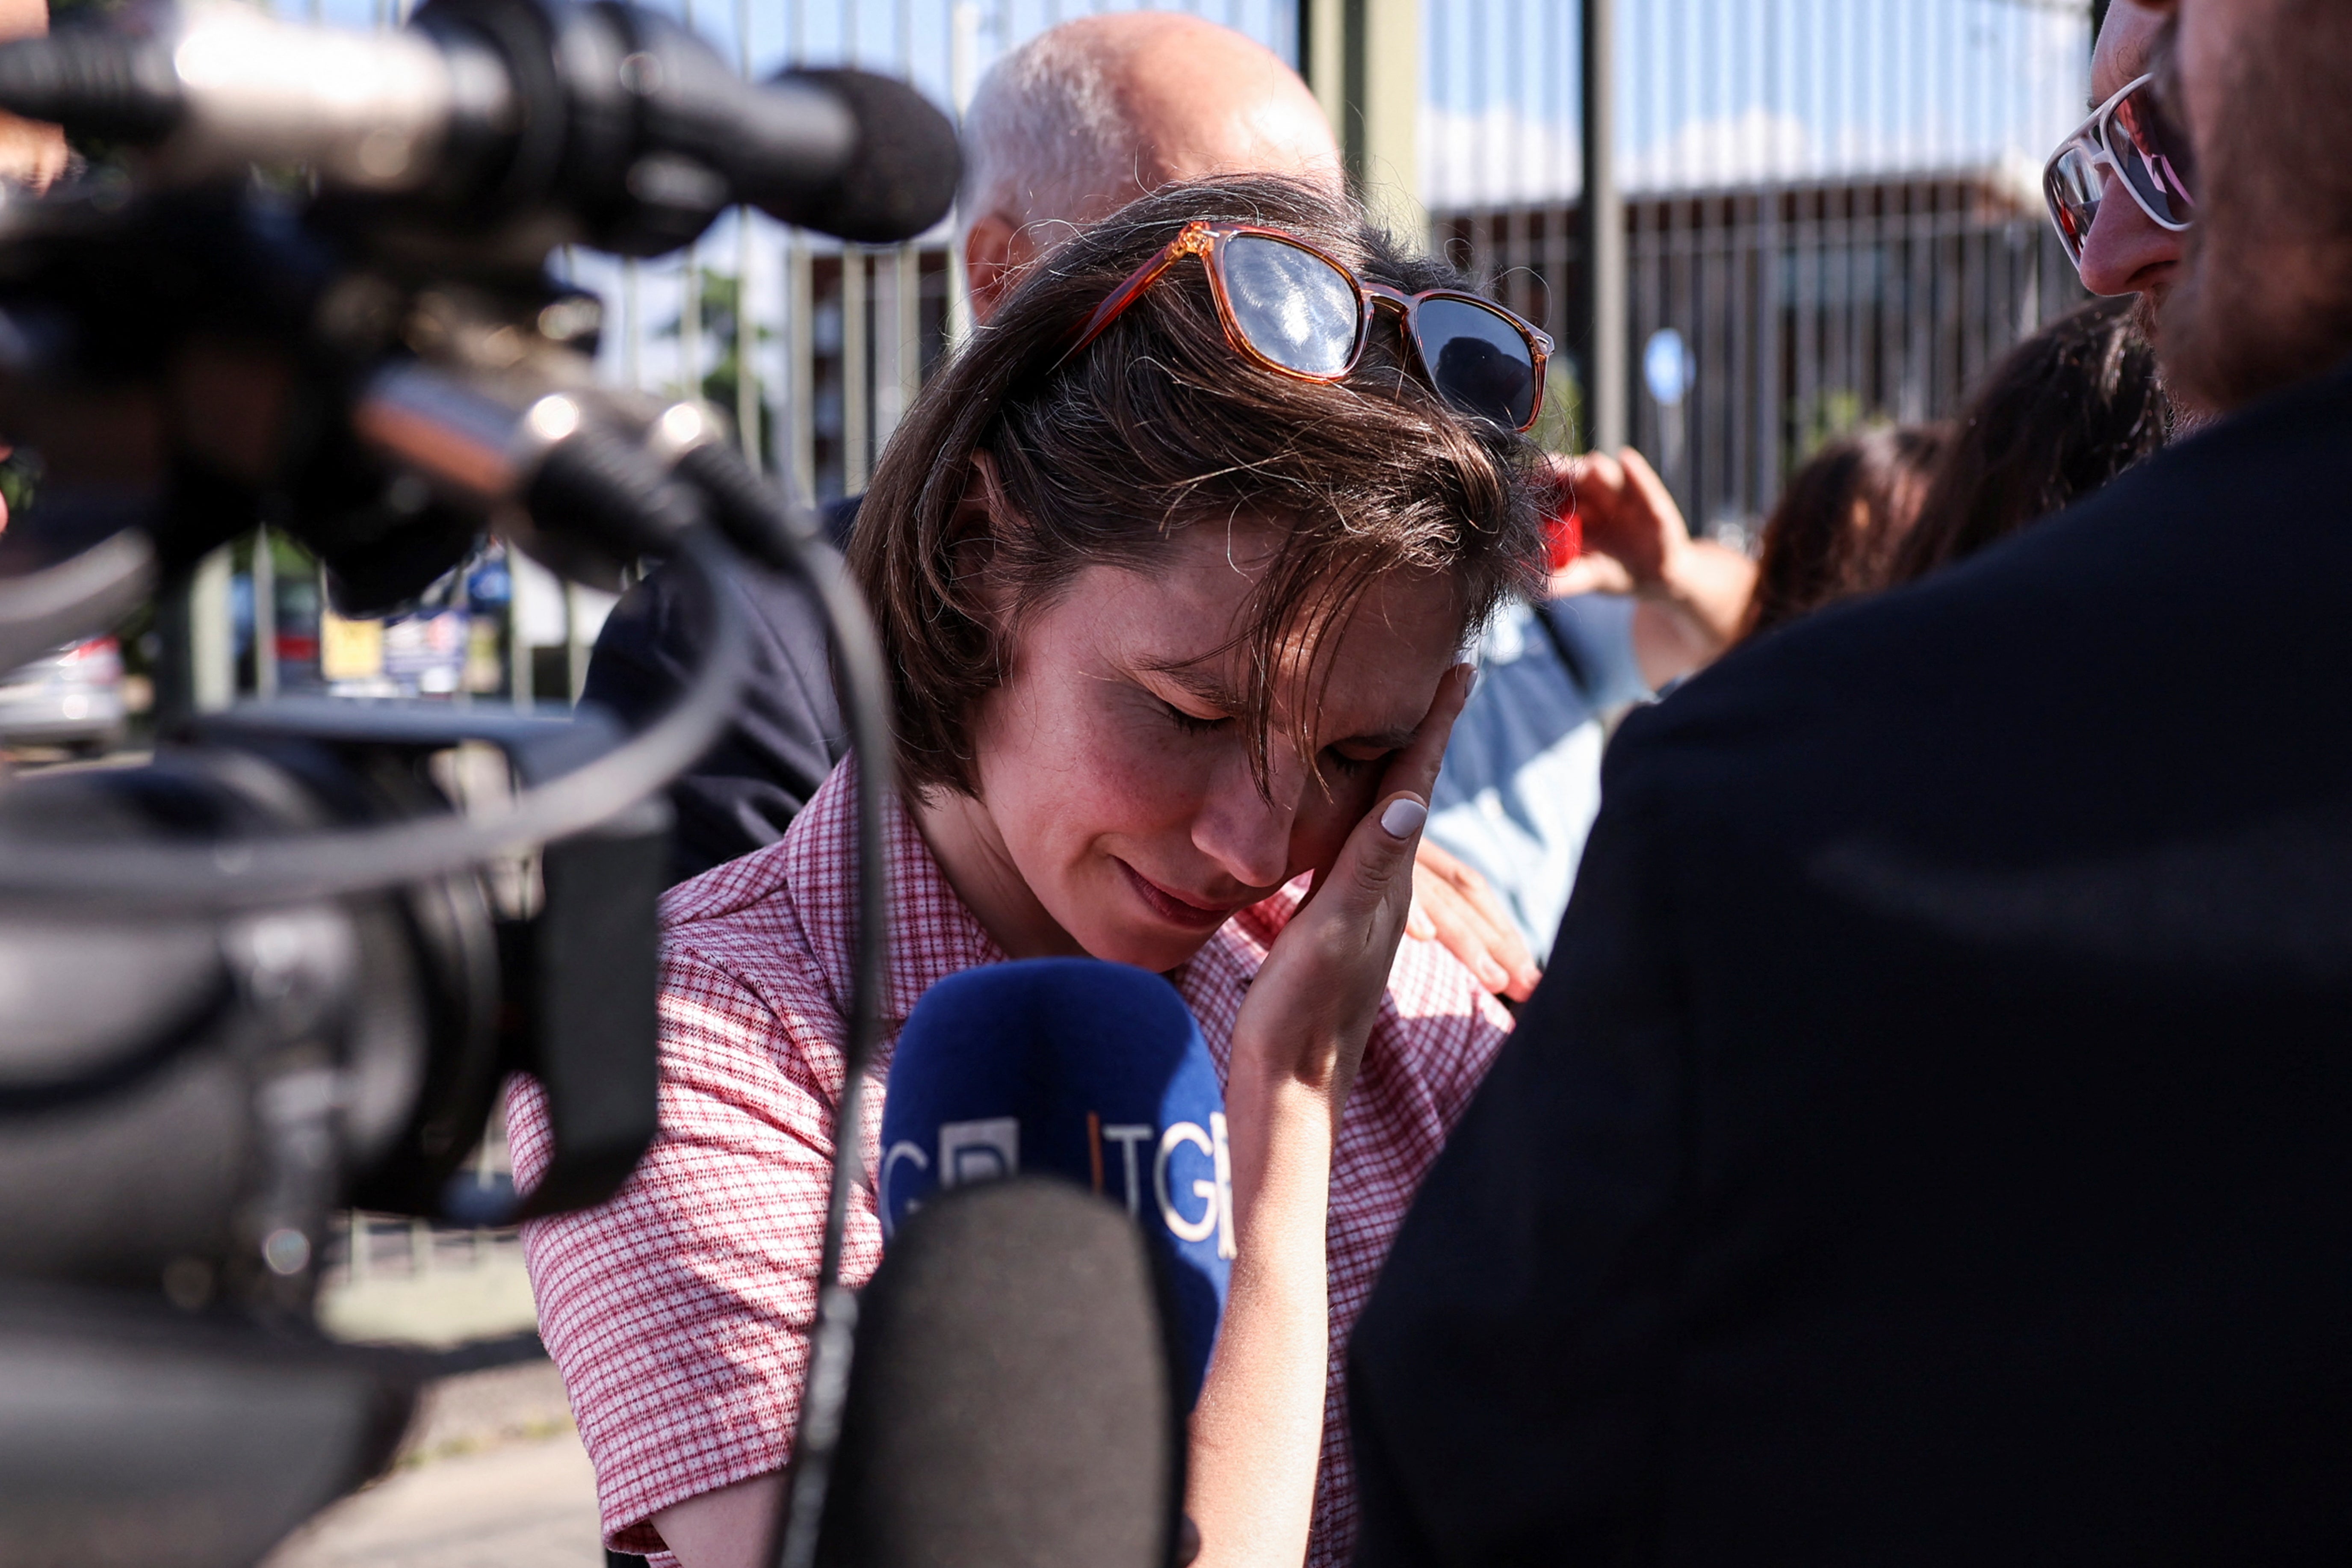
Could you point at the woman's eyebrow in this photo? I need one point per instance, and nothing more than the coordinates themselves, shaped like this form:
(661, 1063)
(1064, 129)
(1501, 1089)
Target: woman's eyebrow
(1385, 740)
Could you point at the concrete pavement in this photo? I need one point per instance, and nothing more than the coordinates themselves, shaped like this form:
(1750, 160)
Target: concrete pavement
(492, 1477)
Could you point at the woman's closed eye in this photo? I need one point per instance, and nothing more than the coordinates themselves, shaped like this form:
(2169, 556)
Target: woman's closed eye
(1195, 723)
(1348, 764)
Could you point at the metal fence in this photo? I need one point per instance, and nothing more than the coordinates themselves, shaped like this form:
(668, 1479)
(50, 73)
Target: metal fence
(1830, 209)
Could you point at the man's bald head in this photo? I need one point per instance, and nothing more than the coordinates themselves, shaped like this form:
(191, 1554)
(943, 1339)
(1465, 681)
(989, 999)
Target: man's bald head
(1088, 116)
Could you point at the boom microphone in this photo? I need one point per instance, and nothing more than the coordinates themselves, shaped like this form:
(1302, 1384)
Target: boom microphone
(1092, 1072)
(486, 110)
(1010, 1402)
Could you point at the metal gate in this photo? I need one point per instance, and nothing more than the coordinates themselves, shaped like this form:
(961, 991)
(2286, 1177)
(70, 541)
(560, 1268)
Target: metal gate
(1830, 209)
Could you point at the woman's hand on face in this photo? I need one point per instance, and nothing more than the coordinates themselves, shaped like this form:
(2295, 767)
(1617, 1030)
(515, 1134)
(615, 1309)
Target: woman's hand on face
(1300, 1037)
(1311, 1006)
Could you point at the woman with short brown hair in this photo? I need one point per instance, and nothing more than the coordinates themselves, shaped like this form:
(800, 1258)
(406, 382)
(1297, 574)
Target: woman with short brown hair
(1173, 564)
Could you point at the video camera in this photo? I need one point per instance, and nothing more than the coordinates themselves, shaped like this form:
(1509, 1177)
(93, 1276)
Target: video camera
(285, 968)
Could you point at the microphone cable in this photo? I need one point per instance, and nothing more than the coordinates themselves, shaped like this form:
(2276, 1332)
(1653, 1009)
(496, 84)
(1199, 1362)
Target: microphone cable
(759, 521)
(248, 872)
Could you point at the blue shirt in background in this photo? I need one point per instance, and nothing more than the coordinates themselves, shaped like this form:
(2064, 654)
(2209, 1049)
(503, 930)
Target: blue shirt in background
(1521, 781)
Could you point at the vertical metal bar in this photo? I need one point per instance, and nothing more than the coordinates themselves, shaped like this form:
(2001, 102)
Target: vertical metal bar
(689, 322)
(1604, 235)
(748, 405)
(633, 369)
(212, 647)
(908, 285)
(1807, 252)
(576, 644)
(690, 303)
(1766, 472)
(1516, 252)
(909, 370)
(799, 344)
(964, 45)
(264, 579)
(798, 456)
(1559, 307)
(521, 677)
(856, 373)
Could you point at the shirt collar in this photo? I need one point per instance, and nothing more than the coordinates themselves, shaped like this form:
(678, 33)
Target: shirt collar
(932, 933)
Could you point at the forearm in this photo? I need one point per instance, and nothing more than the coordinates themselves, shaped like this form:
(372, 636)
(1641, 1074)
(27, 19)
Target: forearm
(1257, 1432)
(1695, 609)
(729, 1528)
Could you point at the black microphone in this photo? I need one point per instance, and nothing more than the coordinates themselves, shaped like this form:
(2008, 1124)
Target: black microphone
(608, 115)
(1012, 1395)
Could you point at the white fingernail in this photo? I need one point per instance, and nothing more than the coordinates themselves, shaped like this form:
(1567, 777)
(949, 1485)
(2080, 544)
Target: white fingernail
(1403, 818)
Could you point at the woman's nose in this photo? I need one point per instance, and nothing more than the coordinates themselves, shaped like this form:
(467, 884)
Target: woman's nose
(1244, 832)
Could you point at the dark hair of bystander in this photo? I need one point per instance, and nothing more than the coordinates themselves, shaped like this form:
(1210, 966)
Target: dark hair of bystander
(1841, 518)
(2066, 411)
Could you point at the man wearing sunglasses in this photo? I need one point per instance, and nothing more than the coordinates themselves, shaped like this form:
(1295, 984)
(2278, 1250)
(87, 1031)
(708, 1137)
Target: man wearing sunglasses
(2131, 244)
(1930, 1146)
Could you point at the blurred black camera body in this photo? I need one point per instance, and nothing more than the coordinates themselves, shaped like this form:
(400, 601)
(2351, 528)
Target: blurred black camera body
(195, 1095)
(187, 1099)
(285, 968)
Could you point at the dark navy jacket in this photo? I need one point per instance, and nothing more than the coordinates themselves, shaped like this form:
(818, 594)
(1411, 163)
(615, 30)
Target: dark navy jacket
(787, 733)
(1933, 1141)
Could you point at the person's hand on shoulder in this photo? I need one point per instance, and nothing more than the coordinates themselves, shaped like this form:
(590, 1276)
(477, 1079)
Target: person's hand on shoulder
(1454, 905)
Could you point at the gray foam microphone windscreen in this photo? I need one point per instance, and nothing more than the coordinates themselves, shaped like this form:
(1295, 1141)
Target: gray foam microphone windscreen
(1012, 1400)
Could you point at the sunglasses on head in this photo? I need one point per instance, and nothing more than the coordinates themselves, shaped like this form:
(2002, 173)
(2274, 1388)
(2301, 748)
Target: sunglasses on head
(1298, 313)
(2131, 137)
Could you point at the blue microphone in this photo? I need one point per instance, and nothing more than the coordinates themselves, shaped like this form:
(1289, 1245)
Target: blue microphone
(1080, 1069)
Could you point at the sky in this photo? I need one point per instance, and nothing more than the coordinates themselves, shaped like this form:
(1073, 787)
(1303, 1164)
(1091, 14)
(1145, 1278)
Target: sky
(1722, 91)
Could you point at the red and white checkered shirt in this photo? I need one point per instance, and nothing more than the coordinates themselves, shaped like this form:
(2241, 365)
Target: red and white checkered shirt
(680, 1310)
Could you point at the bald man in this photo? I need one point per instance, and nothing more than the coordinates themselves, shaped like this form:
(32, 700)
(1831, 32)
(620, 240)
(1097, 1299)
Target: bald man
(2126, 252)
(1085, 118)
(1072, 125)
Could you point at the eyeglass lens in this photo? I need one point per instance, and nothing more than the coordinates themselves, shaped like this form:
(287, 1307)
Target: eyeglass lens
(2153, 156)
(2074, 185)
(1478, 359)
(1291, 305)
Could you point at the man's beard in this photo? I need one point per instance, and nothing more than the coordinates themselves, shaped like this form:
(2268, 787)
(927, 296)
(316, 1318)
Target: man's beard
(2264, 298)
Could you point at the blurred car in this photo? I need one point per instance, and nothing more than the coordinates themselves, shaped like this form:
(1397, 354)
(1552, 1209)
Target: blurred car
(72, 698)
